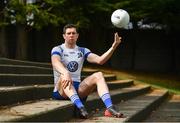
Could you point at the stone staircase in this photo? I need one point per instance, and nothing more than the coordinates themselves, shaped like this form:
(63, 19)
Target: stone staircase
(26, 89)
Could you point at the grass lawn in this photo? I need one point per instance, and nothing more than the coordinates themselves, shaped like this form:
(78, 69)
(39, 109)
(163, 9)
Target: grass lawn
(167, 81)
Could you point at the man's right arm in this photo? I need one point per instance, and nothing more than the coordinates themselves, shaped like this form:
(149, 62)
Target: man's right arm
(58, 65)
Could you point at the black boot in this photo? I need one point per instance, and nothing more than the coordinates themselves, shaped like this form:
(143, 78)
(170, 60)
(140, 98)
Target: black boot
(114, 112)
(83, 113)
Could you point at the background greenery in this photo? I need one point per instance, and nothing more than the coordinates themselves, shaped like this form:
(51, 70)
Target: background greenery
(87, 13)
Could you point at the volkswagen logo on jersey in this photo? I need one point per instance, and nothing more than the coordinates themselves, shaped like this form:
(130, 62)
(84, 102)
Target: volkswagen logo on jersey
(72, 66)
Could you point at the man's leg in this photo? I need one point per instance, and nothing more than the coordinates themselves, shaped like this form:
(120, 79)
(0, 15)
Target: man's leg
(74, 97)
(97, 79)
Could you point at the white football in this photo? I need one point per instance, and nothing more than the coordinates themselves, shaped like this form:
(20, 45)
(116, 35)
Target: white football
(120, 18)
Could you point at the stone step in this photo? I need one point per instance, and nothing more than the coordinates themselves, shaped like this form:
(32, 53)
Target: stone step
(53, 110)
(169, 111)
(141, 107)
(32, 79)
(34, 92)
(21, 69)
(25, 63)
(25, 79)
(13, 62)
(115, 84)
(18, 94)
(135, 109)
(87, 72)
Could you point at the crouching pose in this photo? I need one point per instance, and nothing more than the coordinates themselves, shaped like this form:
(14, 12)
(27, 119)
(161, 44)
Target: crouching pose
(67, 61)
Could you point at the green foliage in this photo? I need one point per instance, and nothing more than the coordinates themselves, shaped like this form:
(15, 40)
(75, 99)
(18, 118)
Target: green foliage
(166, 12)
(86, 13)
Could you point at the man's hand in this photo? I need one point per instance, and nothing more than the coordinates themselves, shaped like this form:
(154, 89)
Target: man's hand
(117, 40)
(66, 80)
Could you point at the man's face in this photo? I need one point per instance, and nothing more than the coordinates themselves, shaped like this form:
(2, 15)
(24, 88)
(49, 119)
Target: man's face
(71, 35)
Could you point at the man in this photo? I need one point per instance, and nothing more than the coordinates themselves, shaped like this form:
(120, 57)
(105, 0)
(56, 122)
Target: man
(67, 61)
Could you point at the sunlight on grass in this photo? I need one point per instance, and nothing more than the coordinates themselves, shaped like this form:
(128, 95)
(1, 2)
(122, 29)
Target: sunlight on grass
(157, 80)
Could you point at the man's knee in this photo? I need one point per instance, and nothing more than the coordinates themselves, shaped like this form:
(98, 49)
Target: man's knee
(98, 75)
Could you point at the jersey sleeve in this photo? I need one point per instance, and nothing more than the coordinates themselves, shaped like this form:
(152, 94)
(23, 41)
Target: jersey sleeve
(86, 52)
(56, 51)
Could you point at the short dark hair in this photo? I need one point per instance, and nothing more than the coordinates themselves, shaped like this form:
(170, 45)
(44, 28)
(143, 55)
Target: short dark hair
(69, 26)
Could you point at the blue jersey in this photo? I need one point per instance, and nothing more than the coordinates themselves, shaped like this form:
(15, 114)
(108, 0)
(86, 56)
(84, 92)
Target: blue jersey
(72, 59)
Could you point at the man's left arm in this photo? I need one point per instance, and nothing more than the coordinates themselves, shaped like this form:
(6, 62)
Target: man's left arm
(94, 58)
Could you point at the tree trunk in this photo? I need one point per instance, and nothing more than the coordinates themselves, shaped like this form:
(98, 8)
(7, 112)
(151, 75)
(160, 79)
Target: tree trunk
(3, 45)
(133, 63)
(21, 51)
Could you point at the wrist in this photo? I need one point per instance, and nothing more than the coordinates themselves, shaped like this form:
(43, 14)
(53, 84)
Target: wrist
(65, 73)
(113, 48)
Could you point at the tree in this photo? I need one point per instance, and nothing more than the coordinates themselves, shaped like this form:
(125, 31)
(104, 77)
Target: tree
(89, 12)
(86, 14)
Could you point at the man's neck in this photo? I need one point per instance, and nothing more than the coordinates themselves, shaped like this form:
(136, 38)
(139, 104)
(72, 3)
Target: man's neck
(70, 46)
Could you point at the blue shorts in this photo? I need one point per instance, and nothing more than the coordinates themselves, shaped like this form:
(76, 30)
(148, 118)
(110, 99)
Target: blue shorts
(56, 95)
